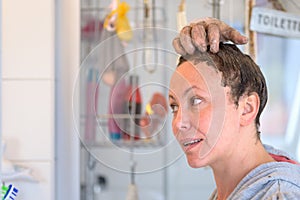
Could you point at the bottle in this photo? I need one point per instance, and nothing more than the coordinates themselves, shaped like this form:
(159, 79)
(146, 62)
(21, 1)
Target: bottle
(116, 104)
(133, 108)
(91, 106)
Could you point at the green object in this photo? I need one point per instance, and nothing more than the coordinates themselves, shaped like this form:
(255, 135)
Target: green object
(4, 190)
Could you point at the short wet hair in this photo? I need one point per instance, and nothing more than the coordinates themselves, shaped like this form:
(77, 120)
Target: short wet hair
(239, 72)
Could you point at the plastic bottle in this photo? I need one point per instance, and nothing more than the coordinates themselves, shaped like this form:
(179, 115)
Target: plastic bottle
(133, 109)
(91, 106)
(116, 106)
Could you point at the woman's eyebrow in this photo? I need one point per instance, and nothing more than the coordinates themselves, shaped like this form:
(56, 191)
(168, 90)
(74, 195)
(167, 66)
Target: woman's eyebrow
(171, 97)
(186, 91)
(189, 89)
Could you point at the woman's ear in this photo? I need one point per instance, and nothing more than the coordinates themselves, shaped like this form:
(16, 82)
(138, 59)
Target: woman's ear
(250, 105)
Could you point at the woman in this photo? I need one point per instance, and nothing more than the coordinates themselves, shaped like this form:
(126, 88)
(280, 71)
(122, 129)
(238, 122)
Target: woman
(217, 99)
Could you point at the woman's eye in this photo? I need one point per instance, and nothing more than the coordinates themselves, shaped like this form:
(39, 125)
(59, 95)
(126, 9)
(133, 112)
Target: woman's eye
(196, 101)
(174, 108)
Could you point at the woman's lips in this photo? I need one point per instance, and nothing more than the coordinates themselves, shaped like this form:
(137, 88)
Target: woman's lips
(187, 144)
(191, 142)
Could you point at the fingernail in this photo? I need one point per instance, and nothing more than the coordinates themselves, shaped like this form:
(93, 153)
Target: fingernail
(213, 47)
(203, 48)
(190, 50)
(245, 40)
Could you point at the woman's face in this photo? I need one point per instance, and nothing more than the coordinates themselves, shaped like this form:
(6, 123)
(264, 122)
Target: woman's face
(205, 119)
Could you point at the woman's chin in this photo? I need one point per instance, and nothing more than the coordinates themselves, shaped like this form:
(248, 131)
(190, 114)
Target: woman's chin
(196, 162)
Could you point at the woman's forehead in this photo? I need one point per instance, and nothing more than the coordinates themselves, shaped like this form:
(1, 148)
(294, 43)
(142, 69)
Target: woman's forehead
(200, 76)
(201, 72)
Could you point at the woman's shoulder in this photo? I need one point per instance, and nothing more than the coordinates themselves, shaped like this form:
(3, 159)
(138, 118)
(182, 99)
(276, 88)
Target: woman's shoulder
(275, 171)
(274, 179)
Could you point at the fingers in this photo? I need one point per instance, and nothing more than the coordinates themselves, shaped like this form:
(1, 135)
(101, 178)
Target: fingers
(186, 40)
(233, 35)
(198, 33)
(199, 36)
(206, 32)
(178, 47)
(213, 34)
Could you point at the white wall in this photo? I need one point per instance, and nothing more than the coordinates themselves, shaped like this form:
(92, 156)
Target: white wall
(28, 92)
(40, 60)
(0, 88)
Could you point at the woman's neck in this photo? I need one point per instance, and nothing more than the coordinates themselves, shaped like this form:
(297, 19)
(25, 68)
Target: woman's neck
(229, 171)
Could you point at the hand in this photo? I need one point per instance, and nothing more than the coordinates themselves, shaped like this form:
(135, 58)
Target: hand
(206, 32)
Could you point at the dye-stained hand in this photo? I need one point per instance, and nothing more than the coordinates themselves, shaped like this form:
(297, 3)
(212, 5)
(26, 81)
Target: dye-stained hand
(203, 33)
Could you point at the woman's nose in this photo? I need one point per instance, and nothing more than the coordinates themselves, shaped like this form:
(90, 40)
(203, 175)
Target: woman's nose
(182, 121)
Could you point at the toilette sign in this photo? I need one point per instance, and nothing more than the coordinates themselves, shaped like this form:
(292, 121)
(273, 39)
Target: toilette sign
(275, 22)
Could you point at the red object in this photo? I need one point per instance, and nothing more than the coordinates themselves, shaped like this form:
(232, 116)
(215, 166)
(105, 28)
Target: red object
(134, 94)
(116, 105)
(92, 29)
(280, 158)
(133, 98)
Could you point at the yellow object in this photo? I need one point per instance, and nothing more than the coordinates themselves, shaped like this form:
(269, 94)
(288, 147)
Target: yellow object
(122, 25)
(149, 109)
(181, 16)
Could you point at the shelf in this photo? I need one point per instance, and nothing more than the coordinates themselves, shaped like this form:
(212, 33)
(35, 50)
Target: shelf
(142, 143)
(103, 140)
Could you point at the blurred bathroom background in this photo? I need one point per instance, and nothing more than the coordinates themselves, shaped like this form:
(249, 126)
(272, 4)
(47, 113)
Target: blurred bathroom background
(63, 74)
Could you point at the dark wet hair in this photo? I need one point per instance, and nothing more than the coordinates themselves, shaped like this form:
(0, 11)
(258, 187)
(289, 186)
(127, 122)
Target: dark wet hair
(239, 72)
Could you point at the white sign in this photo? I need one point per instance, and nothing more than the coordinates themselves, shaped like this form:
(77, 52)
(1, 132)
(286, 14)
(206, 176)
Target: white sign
(275, 22)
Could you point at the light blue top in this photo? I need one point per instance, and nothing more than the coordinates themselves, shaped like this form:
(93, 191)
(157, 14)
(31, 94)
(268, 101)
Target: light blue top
(270, 181)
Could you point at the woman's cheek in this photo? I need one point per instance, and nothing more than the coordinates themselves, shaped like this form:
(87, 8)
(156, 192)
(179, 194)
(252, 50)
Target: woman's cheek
(174, 127)
(202, 120)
